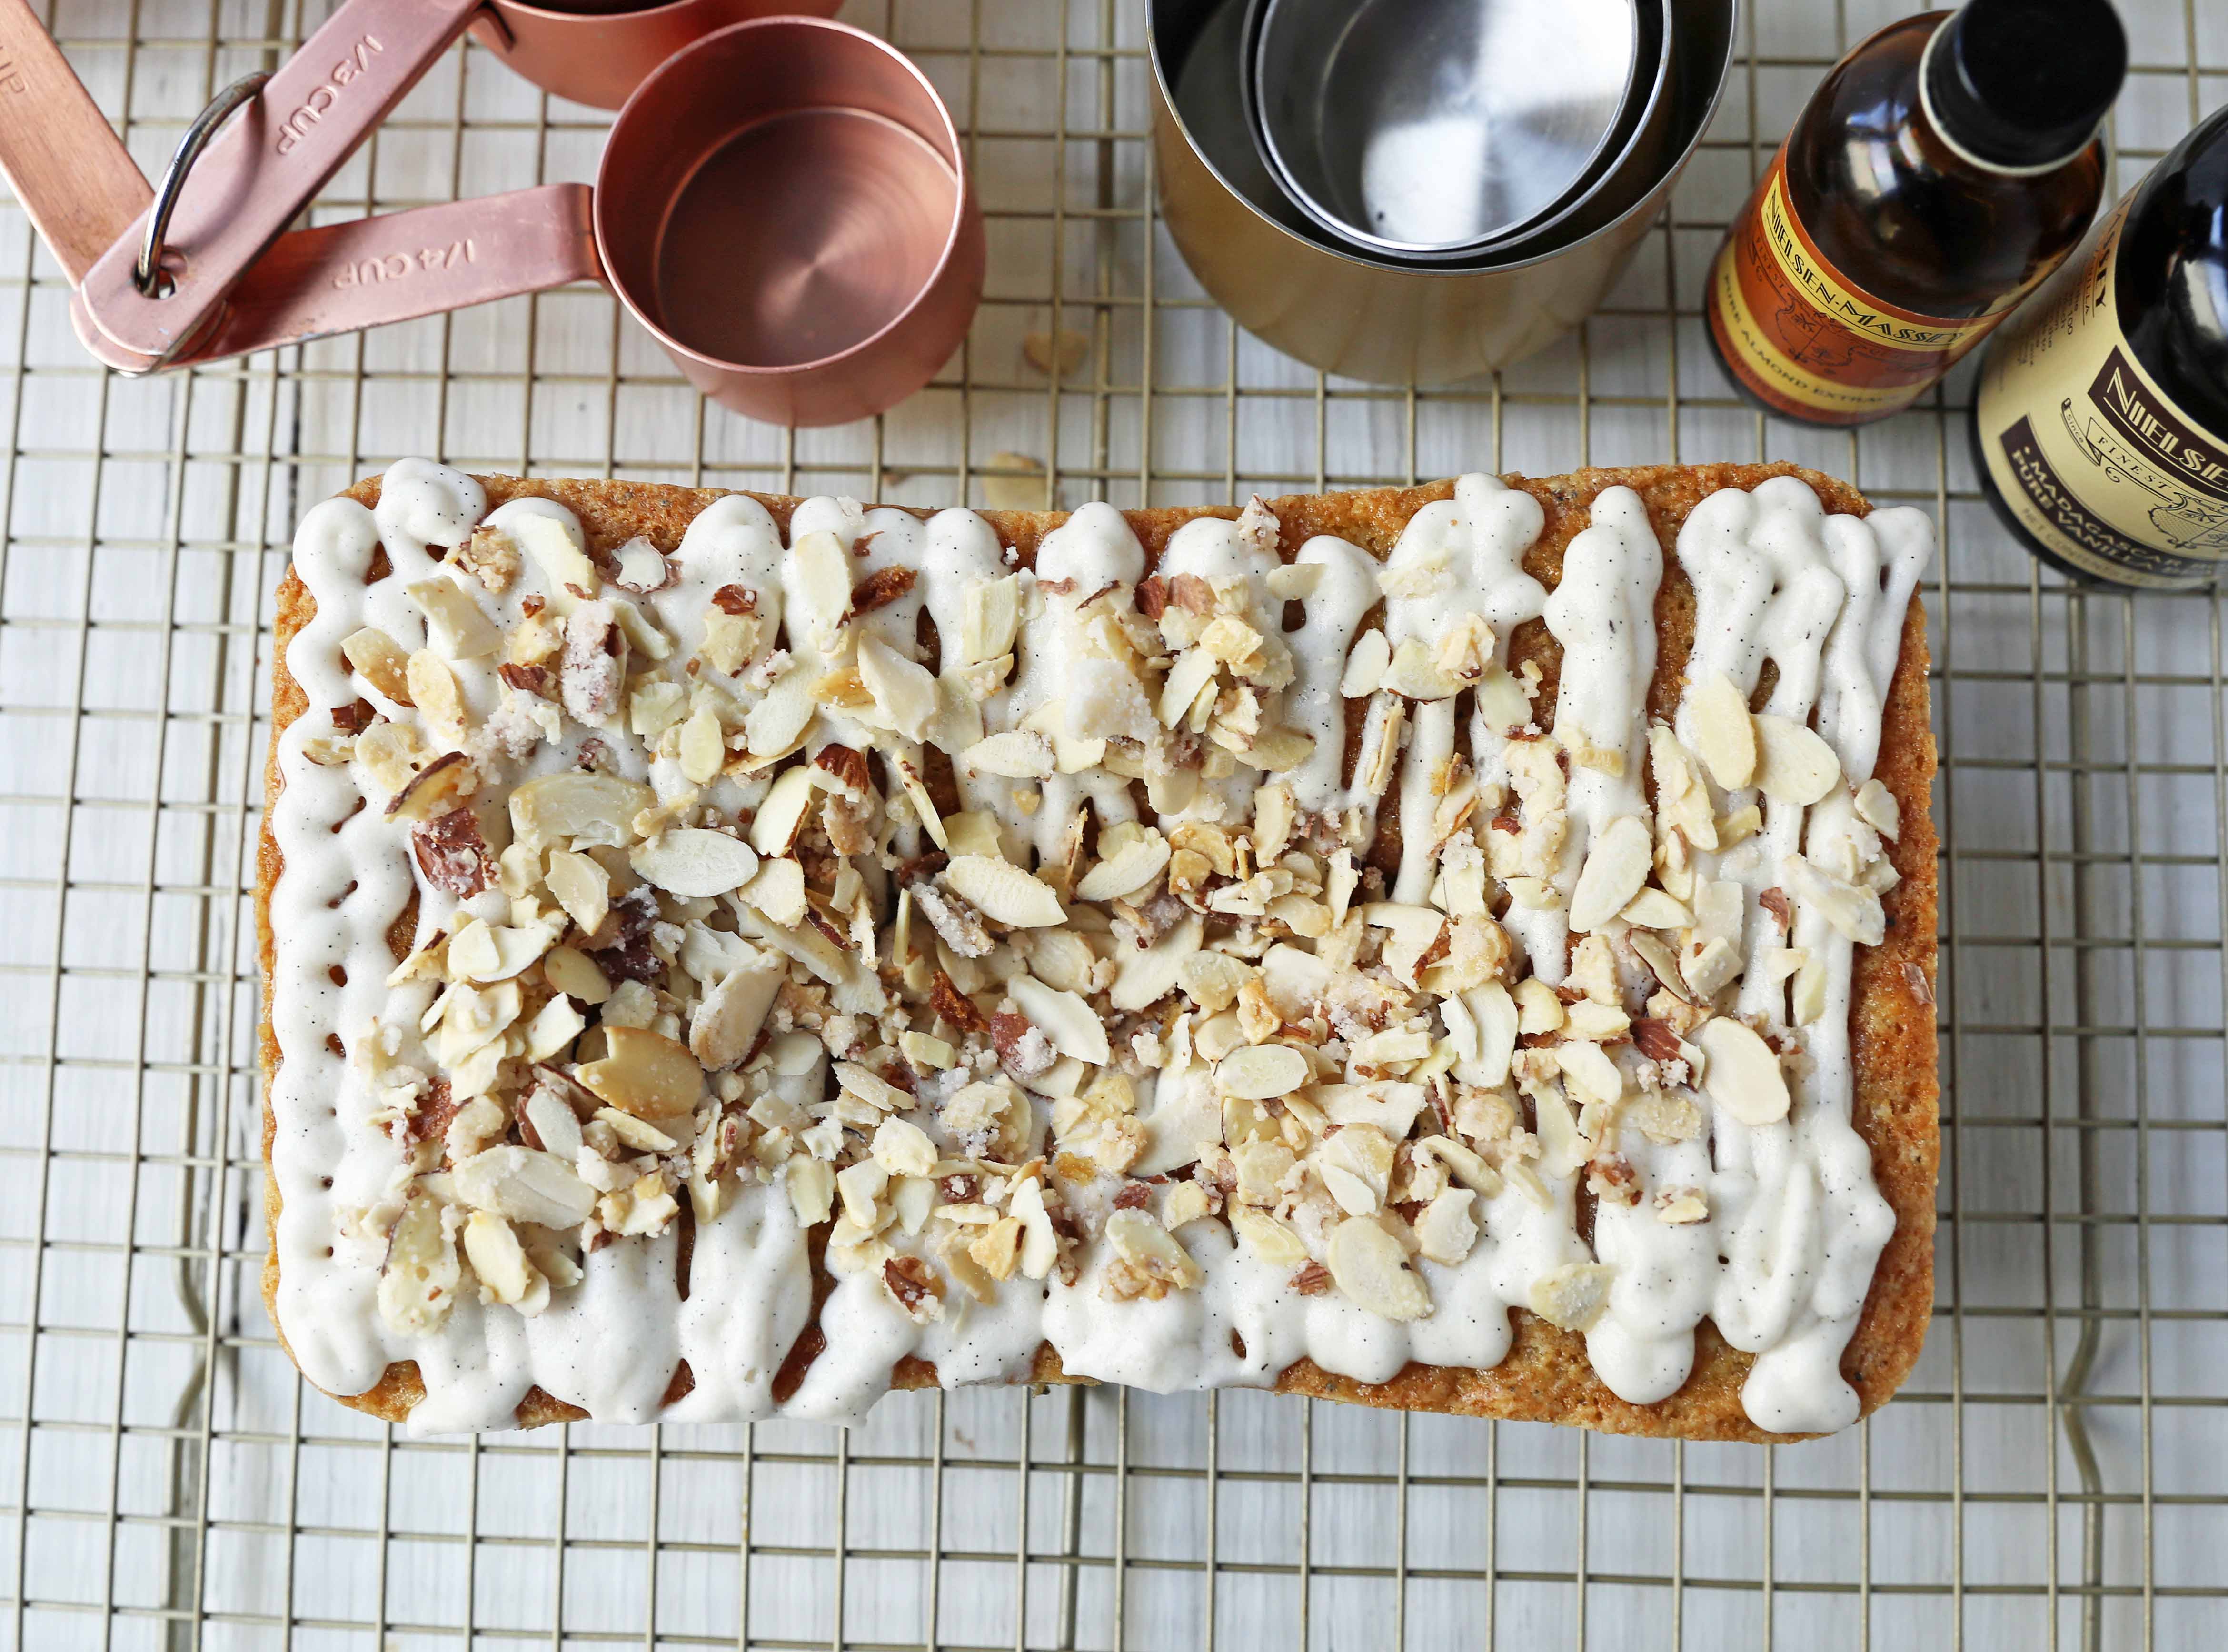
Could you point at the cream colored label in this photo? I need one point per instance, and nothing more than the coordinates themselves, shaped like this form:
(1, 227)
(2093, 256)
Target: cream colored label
(2087, 450)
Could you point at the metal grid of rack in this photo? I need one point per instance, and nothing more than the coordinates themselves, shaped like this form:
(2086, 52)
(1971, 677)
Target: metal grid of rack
(2051, 1476)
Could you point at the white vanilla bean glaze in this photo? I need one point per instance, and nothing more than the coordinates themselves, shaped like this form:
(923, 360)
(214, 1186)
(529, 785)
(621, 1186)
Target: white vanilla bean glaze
(1795, 1225)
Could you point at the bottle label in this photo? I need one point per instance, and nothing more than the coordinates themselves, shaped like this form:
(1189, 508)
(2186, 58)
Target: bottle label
(1805, 339)
(2090, 455)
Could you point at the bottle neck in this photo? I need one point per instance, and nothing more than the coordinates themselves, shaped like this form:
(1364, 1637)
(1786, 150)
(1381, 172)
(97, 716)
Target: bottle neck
(1940, 106)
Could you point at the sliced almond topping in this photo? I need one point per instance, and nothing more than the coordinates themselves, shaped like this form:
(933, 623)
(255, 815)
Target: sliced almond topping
(1260, 1071)
(1003, 892)
(1493, 1012)
(418, 1285)
(1652, 909)
(1853, 910)
(703, 746)
(1539, 1010)
(990, 617)
(454, 624)
(1017, 754)
(1365, 665)
(1380, 744)
(582, 887)
(776, 726)
(1371, 1269)
(1414, 673)
(1744, 1076)
(556, 546)
(823, 584)
(380, 661)
(1589, 1067)
(574, 973)
(1878, 809)
(644, 1073)
(1616, 867)
(580, 807)
(1724, 736)
(1269, 1238)
(1193, 671)
(1572, 1295)
(1794, 765)
(779, 892)
(1062, 1017)
(525, 1186)
(1446, 1231)
(1148, 1260)
(436, 790)
(1600, 1023)
(725, 1025)
(695, 862)
(781, 817)
(904, 692)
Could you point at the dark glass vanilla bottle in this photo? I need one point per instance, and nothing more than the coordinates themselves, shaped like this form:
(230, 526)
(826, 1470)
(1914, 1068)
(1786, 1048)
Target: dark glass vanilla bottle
(2100, 427)
(1941, 170)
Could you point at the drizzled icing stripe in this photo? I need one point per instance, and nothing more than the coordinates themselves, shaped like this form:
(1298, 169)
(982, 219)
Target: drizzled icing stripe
(1794, 1211)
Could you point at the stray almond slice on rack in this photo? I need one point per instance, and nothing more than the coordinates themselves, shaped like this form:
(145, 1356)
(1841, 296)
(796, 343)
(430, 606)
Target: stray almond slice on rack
(1615, 868)
(1794, 765)
(644, 1073)
(695, 862)
(1003, 892)
(1744, 1076)
(1724, 735)
(1370, 1269)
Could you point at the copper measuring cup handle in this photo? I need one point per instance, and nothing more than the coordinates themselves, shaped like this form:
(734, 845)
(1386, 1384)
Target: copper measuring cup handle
(73, 175)
(399, 266)
(266, 167)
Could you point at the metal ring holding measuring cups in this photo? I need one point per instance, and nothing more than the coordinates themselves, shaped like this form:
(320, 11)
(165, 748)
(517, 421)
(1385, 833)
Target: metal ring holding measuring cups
(181, 162)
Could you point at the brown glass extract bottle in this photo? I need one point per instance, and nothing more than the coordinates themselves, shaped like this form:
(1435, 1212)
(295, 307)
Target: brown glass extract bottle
(1939, 172)
(2100, 427)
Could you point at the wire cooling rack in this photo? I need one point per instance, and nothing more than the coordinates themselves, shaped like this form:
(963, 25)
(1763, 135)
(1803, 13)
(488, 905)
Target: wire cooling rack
(2053, 1474)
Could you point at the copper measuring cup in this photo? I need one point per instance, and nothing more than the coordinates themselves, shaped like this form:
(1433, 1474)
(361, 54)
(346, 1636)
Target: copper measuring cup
(784, 204)
(596, 52)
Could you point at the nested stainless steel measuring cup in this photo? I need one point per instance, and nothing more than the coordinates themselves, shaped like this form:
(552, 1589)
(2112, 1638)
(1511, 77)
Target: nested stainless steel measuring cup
(784, 204)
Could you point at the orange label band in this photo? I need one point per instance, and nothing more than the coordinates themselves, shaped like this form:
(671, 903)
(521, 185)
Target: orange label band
(1803, 339)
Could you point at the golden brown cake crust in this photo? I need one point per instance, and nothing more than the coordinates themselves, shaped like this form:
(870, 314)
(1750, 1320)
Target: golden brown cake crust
(1545, 1376)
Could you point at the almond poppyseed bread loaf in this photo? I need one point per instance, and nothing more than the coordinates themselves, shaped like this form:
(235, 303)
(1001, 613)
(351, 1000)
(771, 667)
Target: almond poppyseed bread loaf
(1465, 948)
